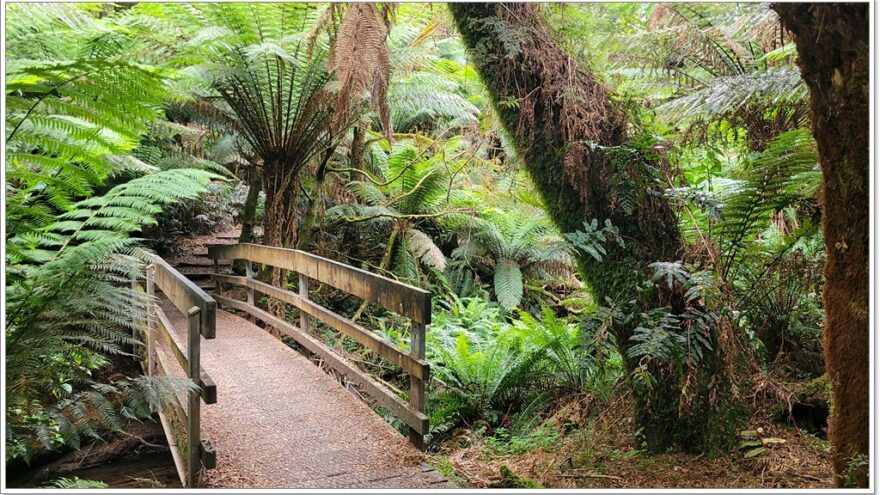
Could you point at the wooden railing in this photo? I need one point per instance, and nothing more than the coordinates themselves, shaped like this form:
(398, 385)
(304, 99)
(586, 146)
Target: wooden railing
(182, 426)
(400, 298)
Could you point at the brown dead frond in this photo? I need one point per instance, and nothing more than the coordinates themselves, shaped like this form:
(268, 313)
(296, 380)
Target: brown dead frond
(360, 61)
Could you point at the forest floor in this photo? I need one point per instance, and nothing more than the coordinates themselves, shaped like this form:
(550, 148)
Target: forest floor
(597, 450)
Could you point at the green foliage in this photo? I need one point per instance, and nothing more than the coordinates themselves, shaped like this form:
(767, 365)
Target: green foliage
(481, 373)
(502, 441)
(511, 247)
(77, 108)
(75, 483)
(411, 199)
(485, 367)
(510, 479)
(68, 297)
(76, 105)
(508, 283)
(592, 239)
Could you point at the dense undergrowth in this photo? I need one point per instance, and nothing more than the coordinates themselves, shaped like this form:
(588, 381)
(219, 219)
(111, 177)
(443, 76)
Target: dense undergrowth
(124, 132)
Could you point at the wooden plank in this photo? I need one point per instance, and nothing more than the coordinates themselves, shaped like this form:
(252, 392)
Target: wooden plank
(382, 347)
(176, 405)
(166, 330)
(304, 295)
(209, 388)
(172, 446)
(185, 294)
(150, 338)
(415, 419)
(403, 299)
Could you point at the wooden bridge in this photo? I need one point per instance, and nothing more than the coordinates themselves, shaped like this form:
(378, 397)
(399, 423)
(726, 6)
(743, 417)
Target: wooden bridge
(263, 414)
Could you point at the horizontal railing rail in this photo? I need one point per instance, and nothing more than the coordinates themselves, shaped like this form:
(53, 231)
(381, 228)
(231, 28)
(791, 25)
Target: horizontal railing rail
(400, 298)
(190, 453)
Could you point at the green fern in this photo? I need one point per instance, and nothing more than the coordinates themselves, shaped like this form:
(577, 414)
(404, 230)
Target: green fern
(512, 248)
(76, 483)
(78, 105)
(508, 283)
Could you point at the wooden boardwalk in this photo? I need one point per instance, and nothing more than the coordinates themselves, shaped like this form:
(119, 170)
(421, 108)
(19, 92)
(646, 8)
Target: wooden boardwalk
(282, 422)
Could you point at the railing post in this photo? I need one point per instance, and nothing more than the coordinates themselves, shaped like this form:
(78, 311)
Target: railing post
(249, 273)
(304, 293)
(151, 316)
(417, 385)
(193, 434)
(218, 285)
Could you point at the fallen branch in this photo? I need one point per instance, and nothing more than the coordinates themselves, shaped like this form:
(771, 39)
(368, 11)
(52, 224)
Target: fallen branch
(807, 476)
(590, 475)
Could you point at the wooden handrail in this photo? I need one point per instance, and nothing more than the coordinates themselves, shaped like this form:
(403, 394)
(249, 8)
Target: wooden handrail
(185, 294)
(395, 296)
(384, 348)
(201, 313)
(401, 298)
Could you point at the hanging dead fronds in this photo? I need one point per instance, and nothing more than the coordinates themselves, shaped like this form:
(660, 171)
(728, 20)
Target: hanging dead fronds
(360, 60)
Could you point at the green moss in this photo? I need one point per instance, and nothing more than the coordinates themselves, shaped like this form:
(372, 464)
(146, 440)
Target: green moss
(819, 388)
(509, 479)
(444, 466)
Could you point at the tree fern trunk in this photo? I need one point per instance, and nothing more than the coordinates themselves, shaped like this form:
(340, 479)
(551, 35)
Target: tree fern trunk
(250, 213)
(554, 110)
(358, 144)
(280, 188)
(833, 54)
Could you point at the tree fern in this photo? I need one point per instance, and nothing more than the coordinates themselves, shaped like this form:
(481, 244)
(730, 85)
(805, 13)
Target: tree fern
(786, 174)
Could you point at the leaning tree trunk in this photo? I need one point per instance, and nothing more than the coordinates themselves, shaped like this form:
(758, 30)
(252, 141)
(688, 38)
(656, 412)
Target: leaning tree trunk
(833, 55)
(560, 118)
(250, 204)
(250, 213)
(310, 219)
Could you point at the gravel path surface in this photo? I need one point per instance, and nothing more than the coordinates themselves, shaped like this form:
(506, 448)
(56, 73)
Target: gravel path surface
(282, 422)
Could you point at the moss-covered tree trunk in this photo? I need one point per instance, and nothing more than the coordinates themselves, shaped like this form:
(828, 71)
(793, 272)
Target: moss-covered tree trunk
(560, 118)
(250, 204)
(310, 219)
(833, 55)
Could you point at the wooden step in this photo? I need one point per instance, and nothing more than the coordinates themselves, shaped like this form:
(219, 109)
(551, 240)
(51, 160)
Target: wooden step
(196, 273)
(194, 261)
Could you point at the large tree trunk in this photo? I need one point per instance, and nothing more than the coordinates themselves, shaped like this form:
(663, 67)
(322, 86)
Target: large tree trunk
(833, 55)
(556, 111)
